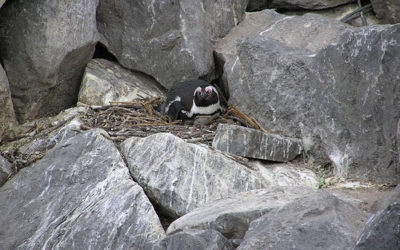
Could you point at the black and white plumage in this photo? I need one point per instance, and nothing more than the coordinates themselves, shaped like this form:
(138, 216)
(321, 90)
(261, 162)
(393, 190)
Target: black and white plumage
(190, 98)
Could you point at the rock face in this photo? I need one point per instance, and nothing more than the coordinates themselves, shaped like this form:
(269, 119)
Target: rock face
(232, 216)
(44, 50)
(382, 230)
(194, 240)
(294, 4)
(328, 86)
(168, 39)
(7, 115)
(255, 144)
(5, 170)
(79, 194)
(180, 176)
(386, 200)
(105, 81)
(388, 11)
(298, 225)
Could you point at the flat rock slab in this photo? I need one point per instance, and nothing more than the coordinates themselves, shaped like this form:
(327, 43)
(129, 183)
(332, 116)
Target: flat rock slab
(256, 144)
(105, 81)
(232, 216)
(79, 194)
(180, 176)
(382, 230)
(294, 4)
(317, 221)
(194, 240)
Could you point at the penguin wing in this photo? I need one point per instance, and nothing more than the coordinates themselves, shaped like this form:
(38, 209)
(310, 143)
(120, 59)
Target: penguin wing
(174, 110)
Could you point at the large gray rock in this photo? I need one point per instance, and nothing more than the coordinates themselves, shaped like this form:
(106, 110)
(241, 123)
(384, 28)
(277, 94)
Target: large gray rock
(388, 11)
(79, 194)
(5, 170)
(194, 240)
(232, 216)
(105, 81)
(294, 4)
(386, 200)
(318, 221)
(180, 176)
(328, 86)
(45, 48)
(7, 115)
(169, 40)
(255, 144)
(382, 230)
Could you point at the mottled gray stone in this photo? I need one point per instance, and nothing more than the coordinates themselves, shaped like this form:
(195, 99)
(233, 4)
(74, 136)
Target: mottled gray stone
(287, 174)
(328, 86)
(105, 81)
(294, 4)
(382, 230)
(388, 11)
(7, 115)
(5, 170)
(79, 194)
(168, 39)
(194, 240)
(386, 200)
(232, 216)
(318, 221)
(180, 176)
(45, 46)
(255, 144)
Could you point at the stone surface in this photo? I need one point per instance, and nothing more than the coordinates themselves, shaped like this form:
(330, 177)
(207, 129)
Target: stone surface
(388, 11)
(105, 81)
(5, 170)
(194, 240)
(255, 144)
(7, 115)
(328, 86)
(168, 39)
(386, 200)
(255, 5)
(79, 194)
(232, 216)
(287, 174)
(382, 230)
(180, 176)
(44, 51)
(318, 221)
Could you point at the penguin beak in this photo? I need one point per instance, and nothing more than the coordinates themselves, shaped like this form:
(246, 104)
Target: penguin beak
(203, 94)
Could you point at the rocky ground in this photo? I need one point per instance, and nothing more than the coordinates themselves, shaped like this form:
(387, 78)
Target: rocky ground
(305, 154)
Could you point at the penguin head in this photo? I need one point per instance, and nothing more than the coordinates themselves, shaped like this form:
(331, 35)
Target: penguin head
(205, 95)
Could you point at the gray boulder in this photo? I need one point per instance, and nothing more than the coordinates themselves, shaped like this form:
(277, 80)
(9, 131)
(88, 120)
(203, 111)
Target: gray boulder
(106, 81)
(386, 200)
(7, 115)
(328, 86)
(294, 4)
(169, 40)
(255, 144)
(180, 176)
(382, 230)
(318, 221)
(232, 216)
(79, 194)
(5, 170)
(194, 240)
(388, 11)
(44, 49)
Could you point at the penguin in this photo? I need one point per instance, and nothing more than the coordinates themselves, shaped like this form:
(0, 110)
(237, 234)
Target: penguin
(189, 98)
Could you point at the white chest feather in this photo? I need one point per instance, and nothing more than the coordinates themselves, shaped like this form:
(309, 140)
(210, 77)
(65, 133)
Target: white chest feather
(197, 110)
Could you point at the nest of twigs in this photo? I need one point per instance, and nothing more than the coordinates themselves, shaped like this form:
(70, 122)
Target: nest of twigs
(141, 118)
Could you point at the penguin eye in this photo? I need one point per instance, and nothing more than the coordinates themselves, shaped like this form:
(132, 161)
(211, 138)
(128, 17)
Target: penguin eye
(208, 90)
